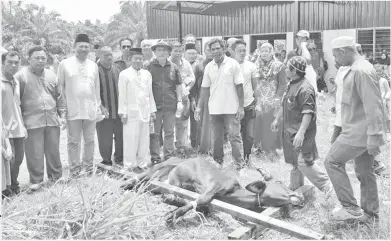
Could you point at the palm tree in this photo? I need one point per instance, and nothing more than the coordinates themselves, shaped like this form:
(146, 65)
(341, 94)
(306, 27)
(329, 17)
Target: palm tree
(129, 22)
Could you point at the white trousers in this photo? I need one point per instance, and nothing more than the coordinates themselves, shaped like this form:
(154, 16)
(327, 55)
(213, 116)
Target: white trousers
(136, 143)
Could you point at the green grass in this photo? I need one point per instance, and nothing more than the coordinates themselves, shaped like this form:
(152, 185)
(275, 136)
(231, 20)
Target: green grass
(94, 207)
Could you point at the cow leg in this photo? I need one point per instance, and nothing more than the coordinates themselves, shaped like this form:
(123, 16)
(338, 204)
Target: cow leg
(204, 199)
(177, 201)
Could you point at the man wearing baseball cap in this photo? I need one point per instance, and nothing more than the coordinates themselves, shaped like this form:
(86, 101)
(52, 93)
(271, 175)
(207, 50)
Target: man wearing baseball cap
(302, 38)
(361, 137)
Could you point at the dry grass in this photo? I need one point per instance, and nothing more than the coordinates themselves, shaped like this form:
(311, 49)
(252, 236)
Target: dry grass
(95, 208)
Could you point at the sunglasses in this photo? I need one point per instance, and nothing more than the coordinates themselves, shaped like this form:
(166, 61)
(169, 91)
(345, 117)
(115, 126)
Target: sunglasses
(126, 46)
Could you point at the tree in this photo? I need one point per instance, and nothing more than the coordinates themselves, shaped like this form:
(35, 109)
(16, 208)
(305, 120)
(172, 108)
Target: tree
(129, 22)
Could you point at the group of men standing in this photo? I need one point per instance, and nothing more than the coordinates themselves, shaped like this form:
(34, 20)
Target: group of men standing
(159, 87)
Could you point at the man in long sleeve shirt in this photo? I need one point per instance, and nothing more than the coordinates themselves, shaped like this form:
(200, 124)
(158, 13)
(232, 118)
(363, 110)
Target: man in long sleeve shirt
(111, 125)
(79, 79)
(11, 114)
(361, 136)
(188, 80)
(43, 108)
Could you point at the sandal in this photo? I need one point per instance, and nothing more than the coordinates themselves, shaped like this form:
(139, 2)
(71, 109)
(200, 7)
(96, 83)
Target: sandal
(343, 214)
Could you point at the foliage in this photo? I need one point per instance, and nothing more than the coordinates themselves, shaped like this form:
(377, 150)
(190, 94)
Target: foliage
(131, 22)
(27, 25)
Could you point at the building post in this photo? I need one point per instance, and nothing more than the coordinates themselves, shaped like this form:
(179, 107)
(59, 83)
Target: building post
(179, 7)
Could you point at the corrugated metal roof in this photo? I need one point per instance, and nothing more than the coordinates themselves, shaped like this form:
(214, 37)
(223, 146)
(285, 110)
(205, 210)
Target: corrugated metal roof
(207, 7)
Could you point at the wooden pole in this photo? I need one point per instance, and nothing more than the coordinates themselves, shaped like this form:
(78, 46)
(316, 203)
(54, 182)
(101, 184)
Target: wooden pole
(179, 7)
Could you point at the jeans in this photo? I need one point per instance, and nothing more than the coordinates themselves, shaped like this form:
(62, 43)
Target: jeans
(105, 130)
(43, 144)
(194, 131)
(313, 173)
(337, 131)
(181, 132)
(335, 162)
(165, 119)
(247, 129)
(228, 122)
(17, 145)
(77, 128)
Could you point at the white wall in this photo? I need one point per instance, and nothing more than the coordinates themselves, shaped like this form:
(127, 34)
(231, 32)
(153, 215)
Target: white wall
(328, 36)
(247, 39)
(290, 45)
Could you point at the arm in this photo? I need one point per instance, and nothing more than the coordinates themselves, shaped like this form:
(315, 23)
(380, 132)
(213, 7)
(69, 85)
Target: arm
(239, 89)
(387, 90)
(281, 83)
(190, 77)
(204, 97)
(122, 95)
(152, 103)
(373, 108)
(305, 122)
(97, 87)
(61, 104)
(178, 83)
(61, 79)
(305, 53)
(239, 80)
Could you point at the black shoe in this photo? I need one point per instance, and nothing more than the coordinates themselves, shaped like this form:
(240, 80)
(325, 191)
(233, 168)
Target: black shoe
(107, 163)
(15, 190)
(6, 193)
(119, 162)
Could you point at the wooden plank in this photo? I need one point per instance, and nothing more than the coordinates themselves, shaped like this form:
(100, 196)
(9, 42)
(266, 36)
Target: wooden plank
(242, 213)
(238, 212)
(253, 231)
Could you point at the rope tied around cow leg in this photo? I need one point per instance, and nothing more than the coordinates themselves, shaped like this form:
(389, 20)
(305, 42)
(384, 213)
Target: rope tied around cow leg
(194, 204)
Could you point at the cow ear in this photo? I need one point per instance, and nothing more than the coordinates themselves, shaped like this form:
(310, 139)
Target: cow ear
(256, 187)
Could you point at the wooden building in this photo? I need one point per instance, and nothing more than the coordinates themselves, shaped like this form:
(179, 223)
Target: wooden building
(367, 21)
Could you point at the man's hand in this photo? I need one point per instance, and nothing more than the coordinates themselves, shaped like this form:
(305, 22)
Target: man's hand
(333, 110)
(193, 105)
(104, 111)
(274, 125)
(124, 118)
(321, 96)
(153, 116)
(25, 133)
(179, 106)
(299, 139)
(374, 151)
(240, 113)
(185, 91)
(197, 114)
(63, 123)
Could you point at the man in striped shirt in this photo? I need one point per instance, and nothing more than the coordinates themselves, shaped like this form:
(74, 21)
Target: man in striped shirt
(111, 125)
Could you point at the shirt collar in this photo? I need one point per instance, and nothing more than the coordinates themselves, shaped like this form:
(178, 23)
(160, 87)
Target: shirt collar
(296, 81)
(224, 60)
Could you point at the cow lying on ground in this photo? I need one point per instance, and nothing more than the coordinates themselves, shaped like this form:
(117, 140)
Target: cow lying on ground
(201, 176)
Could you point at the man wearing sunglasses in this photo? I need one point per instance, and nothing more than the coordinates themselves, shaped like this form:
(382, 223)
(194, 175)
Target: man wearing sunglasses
(125, 44)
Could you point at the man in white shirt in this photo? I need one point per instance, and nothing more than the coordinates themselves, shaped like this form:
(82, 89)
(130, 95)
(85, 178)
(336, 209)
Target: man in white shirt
(222, 87)
(137, 108)
(250, 75)
(79, 78)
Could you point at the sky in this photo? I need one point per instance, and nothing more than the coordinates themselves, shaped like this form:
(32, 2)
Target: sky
(80, 10)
